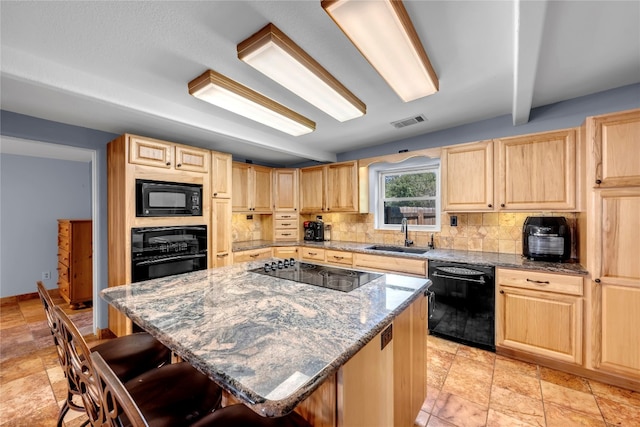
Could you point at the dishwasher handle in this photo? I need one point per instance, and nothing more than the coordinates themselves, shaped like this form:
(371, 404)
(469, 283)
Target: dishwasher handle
(465, 279)
(431, 300)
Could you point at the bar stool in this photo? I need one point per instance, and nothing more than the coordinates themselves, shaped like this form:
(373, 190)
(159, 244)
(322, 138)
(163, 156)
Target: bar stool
(129, 356)
(119, 400)
(174, 395)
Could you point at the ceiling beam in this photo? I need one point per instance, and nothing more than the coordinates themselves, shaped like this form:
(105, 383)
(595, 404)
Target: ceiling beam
(529, 19)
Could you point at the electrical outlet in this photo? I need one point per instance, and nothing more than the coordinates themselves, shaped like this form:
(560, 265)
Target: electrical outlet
(453, 221)
(46, 275)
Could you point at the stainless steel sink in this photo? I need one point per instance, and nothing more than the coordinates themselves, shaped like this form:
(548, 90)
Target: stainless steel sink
(401, 249)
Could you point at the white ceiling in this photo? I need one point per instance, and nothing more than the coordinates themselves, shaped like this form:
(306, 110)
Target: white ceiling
(124, 66)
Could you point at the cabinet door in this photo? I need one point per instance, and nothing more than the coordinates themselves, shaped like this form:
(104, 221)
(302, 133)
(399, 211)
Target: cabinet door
(150, 152)
(616, 297)
(261, 177)
(286, 252)
(192, 159)
(221, 232)
(342, 187)
(285, 190)
(312, 183)
(538, 171)
(221, 175)
(542, 323)
(467, 177)
(616, 141)
(240, 184)
(252, 255)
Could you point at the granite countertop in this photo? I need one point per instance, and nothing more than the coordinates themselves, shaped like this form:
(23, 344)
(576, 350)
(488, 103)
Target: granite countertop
(471, 257)
(270, 342)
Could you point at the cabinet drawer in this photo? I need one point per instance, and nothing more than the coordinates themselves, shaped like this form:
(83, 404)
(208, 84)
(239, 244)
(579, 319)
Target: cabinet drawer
(286, 216)
(63, 256)
(63, 227)
(252, 255)
(313, 254)
(63, 287)
(287, 224)
(286, 252)
(285, 235)
(391, 264)
(63, 272)
(540, 281)
(339, 257)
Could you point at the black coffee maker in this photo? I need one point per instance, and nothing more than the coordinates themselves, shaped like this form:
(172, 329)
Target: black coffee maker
(314, 230)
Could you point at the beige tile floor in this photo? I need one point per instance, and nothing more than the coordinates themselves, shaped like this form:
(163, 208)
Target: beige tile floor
(467, 387)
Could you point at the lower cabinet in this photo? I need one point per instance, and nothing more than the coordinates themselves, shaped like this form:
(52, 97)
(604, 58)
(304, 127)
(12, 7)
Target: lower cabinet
(313, 254)
(415, 267)
(385, 385)
(286, 252)
(540, 313)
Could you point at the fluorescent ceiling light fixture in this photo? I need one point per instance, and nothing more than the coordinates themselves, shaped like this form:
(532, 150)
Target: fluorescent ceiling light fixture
(225, 93)
(275, 55)
(382, 31)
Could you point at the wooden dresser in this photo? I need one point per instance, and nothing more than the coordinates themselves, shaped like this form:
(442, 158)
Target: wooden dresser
(75, 261)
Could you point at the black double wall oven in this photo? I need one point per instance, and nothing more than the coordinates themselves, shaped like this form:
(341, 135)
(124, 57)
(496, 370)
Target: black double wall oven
(167, 250)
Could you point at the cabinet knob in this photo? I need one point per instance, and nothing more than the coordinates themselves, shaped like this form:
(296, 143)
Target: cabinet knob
(502, 205)
(215, 194)
(168, 163)
(179, 165)
(598, 181)
(597, 280)
(490, 205)
(501, 291)
(295, 209)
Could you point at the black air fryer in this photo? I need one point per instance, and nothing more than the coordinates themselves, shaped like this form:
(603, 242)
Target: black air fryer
(546, 238)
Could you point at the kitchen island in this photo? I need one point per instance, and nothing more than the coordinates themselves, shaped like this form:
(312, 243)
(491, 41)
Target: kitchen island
(271, 343)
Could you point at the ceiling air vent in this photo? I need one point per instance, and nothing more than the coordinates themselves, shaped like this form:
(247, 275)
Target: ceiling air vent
(409, 121)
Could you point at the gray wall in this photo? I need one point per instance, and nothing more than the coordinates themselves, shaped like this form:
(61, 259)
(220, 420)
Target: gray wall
(27, 127)
(34, 193)
(556, 116)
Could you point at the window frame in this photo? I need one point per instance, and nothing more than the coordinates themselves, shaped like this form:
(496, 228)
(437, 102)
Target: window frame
(433, 166)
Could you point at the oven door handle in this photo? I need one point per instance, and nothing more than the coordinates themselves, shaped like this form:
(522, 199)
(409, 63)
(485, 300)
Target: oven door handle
(153, 230)
(173, 258)
(466, 279)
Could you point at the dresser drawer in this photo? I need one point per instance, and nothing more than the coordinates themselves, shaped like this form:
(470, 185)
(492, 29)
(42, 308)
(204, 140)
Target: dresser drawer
(63, 243)
(63, 256)
(313, 254)
(63, 227)
(285, 234)
(63, 288)
(550, 282)
(63, 272)
(339, 257)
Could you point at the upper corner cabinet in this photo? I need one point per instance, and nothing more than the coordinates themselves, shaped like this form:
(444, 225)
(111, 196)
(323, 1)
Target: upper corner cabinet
(614, 141)
(467, 177)
(537, 171)
(329, 188)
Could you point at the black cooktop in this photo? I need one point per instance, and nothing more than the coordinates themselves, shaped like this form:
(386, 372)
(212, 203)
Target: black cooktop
(318, 275)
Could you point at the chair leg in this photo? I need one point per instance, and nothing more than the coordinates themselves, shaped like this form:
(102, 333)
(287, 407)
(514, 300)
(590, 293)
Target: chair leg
(63, 412)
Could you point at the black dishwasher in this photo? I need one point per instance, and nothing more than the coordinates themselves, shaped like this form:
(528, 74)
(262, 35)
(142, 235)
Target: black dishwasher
(462, 303)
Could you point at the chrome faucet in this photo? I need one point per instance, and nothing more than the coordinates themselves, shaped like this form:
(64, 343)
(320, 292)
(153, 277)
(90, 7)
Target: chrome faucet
(404, 228)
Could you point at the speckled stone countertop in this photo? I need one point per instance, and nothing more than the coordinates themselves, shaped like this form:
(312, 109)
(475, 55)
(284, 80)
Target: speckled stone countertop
(268, 341)
(471, 257)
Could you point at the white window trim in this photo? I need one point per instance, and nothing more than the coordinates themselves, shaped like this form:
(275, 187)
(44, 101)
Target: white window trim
(375, 176)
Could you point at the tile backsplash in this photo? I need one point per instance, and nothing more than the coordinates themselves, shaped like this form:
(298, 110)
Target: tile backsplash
(485, 232)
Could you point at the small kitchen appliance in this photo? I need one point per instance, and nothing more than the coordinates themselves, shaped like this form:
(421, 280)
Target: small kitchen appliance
(546, 238)
(160, 198)
(314, 230)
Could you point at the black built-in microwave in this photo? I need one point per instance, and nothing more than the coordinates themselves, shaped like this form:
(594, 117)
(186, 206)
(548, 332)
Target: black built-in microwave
(162, 198)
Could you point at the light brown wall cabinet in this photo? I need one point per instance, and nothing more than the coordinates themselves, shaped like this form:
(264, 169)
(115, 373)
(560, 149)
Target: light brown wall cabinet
(537, 172)
(615, 142)
(251, 188)
(329, 188)
(540, 313)
(221, 164)
(75, 261)
(529, 172)
(166, 155)
(467, 177)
